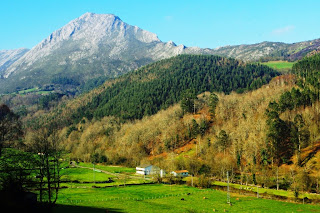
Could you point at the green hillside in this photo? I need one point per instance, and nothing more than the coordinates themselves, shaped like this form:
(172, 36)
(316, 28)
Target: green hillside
(159, 85)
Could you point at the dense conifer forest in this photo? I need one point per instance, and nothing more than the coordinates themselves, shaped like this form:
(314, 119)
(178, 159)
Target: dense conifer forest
(160, 85)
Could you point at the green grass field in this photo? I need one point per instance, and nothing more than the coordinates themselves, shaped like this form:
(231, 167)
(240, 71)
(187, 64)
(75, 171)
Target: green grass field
(34, 90)
(113, 169)
(114, 197)
(282, 66)
(119, 176)
(81, 175)
(166, 198)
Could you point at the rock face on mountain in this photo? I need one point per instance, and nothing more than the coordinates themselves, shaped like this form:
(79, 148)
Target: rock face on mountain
(101, 46)
(8, 57)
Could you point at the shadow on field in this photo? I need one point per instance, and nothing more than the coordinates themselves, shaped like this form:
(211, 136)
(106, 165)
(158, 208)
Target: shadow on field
(79, 209)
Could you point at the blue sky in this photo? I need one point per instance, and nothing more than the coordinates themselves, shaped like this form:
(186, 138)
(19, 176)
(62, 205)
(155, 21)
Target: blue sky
(203, 23)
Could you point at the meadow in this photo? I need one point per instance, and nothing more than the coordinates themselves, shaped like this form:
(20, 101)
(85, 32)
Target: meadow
(167, 198)
(282, 66)
(87, 196)
(34, 90)
(113, 169)
(102, 176)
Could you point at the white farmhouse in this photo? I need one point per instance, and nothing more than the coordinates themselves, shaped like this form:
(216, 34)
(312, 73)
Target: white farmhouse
(147, 169)
(180, 173)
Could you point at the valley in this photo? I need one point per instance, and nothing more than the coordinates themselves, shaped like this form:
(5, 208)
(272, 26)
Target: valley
(230, 129)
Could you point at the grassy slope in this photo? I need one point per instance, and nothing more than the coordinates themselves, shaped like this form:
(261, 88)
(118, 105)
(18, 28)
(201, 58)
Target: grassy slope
(83, 175)
(167, 198)
(282, 66)
(113, 169)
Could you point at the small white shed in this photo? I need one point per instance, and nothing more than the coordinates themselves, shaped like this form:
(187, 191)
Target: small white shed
(147, 169)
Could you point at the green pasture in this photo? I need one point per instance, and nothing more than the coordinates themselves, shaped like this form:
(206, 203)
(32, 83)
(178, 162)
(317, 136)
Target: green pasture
(34, 90)
(167, 198)
(86, 177)
(108, 168)
(282, 66)
(82, 175)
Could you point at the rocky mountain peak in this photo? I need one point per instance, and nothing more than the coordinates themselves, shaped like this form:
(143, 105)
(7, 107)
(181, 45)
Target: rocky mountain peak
(83, 37)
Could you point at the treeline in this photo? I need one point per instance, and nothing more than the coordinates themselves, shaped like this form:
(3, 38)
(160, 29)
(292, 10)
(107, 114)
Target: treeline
(159, 85)
(308, 70)
(44, 101)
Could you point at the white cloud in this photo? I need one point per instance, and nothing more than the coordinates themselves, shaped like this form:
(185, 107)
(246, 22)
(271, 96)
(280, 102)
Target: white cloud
(284, 30)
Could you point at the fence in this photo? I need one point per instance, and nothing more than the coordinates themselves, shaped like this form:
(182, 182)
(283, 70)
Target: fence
(133, 198)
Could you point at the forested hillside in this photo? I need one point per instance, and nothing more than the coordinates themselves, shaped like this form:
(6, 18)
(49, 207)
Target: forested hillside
(160, 85)
(157, 86)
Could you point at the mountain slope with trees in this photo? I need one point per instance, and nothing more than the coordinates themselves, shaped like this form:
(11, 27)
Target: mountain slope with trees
(268, 136)
(162, 84)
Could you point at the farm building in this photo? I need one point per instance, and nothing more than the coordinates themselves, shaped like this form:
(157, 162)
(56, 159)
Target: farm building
(180, 173)
(147, 169)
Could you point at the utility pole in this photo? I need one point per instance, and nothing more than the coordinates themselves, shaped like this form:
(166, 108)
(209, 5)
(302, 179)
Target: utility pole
(228, 193)
(94, 175)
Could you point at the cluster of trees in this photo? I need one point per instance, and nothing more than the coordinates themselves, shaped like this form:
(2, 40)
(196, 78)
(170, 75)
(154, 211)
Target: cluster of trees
(308, 72)
(284, 138)
(44, 101)
(287, 137)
